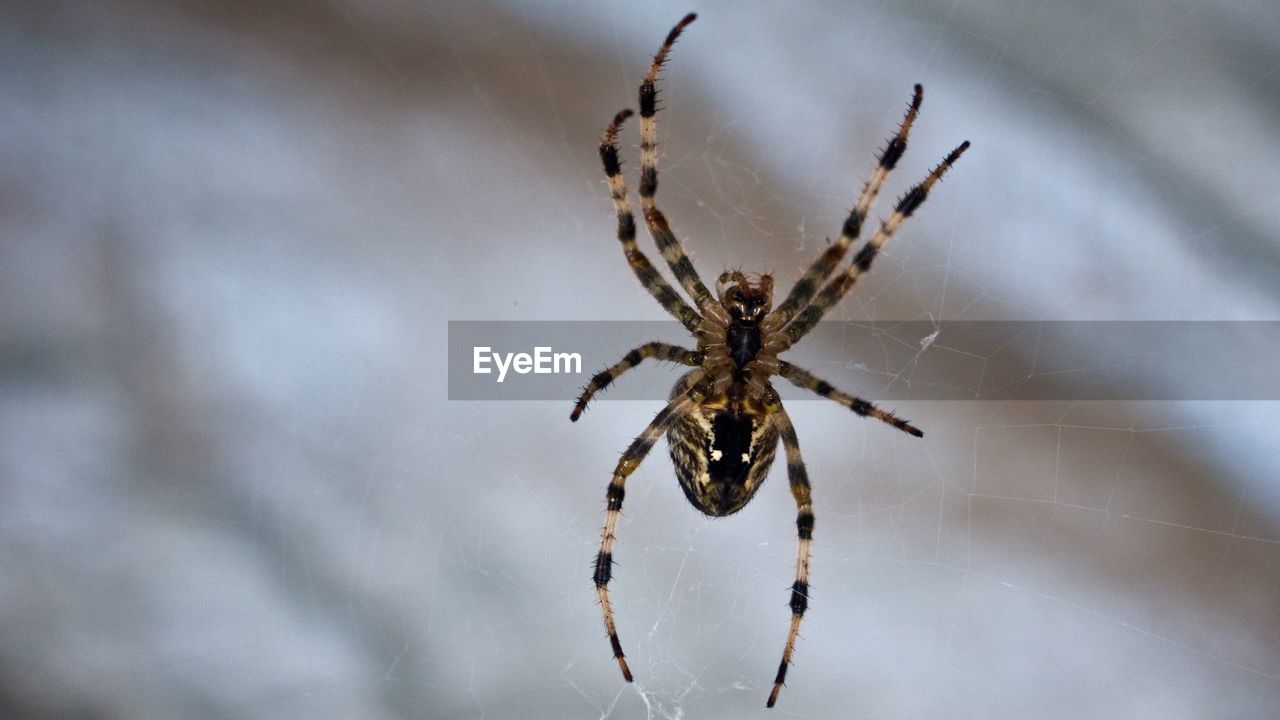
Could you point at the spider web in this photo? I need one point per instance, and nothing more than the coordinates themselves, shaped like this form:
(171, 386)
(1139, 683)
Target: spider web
(234, 487)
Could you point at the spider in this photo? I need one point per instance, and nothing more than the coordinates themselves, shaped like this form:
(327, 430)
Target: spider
(724, 418)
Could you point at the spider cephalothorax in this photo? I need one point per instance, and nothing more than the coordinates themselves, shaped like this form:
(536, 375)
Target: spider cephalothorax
(724, 418)
(747, 304)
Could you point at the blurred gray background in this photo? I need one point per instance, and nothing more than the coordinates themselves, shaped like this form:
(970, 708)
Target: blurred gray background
(231, 485)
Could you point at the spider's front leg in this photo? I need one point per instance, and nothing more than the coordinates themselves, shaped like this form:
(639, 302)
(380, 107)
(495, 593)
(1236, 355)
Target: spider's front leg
(826, 263)
(654, 219)
(839, 286)
(798, 478)
(644, 271)
(627, 464)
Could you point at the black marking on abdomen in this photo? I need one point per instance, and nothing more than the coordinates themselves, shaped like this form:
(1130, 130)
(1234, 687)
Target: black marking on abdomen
(730, 451)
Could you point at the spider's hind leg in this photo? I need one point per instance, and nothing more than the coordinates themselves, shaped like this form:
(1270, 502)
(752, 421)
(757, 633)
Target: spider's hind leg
(627, 464)
(798, 477)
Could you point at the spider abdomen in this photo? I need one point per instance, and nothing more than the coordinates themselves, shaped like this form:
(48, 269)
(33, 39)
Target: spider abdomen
(722, 452)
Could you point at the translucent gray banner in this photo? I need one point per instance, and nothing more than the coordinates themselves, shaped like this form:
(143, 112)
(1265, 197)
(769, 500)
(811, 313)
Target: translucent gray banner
(917, 360)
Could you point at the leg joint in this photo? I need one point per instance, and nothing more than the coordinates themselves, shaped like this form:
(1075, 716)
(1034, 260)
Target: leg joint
(799, 597)
(804, 525)
(866, 255)
(648, 181)
(912, 200)
(604, 568)
(782, 674)
(852, 225)
(648, 99)
(614, 496)
(626, 226)
(893, 152)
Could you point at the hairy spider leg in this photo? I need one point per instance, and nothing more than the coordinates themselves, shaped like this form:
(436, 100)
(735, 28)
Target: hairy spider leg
(627, 464)
(803, 378)
(666, 240)
(826, 263)
(798, 478)
(604, 378)
(648, 275)
(835, 290)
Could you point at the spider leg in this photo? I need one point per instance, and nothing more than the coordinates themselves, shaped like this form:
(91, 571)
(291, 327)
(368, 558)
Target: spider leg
(799, 480)
(826, 263)
(802, 378)
(627, 464)
(604, 378)
(649, 277)
(666, 240)
(835, 290)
